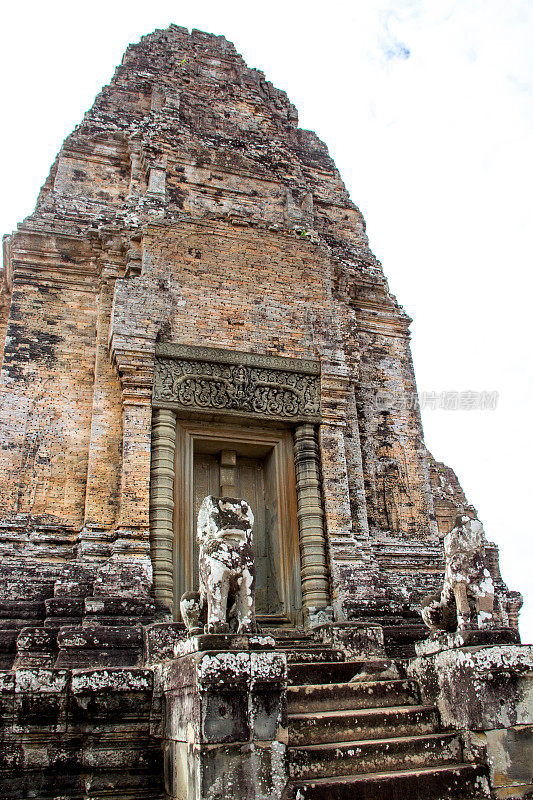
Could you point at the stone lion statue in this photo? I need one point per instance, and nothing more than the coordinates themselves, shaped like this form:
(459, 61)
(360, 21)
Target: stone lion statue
(467, 597)
(226, 600)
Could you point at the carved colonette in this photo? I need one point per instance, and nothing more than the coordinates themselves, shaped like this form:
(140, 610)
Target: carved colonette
(310, 518)
(162, 505)
(195, 381)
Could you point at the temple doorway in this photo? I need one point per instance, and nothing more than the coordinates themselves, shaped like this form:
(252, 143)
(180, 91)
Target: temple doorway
(259, 468)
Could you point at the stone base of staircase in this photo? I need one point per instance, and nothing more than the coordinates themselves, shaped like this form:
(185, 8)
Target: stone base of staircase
(359, 732)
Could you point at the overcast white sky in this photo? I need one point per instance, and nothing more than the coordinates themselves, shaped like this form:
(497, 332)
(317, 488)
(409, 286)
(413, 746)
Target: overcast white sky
(426, 106)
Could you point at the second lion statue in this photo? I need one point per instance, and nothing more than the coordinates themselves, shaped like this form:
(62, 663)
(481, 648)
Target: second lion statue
(467, 596)
(226, 600)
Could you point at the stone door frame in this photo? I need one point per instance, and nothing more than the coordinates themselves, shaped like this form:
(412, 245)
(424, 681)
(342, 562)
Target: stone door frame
(190, 434)
(207, 389)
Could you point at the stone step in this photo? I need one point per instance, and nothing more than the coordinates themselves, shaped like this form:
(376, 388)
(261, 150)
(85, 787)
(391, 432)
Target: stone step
(458, 782)
(285, 632)
(338, 696)
(63, 608)
(92, 645)
(400, 639)
(333, 671)
(117, 611)
(341, 758)
(296, 644)
(106, 785)
(32, 611)
(36, 647)
(312, 655)
(320, 727)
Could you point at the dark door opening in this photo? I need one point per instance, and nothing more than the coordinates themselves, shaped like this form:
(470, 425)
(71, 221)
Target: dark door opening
(254, 480)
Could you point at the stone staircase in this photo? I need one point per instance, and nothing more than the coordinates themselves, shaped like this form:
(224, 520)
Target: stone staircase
(368, 738)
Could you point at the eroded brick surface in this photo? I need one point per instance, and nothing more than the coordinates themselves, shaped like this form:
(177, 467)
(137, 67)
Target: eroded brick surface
(186, 208)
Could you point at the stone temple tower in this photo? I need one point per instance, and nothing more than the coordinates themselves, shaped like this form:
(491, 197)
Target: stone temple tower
(193, 309)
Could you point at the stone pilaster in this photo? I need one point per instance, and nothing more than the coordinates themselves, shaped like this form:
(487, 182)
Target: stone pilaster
(341, 545)
(139, 308)
(104, 451)
(129, 571)
(132, 532)
(162, 506)
(314, 575)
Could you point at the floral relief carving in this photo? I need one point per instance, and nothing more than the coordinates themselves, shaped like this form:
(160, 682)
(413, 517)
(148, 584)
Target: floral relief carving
(237, 388)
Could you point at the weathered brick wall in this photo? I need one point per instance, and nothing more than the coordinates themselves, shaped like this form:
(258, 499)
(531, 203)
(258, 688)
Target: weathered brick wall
(230, 287)
(47, 387)
(189, 207)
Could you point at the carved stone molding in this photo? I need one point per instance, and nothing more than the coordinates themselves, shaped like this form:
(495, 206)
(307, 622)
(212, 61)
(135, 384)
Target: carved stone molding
(208, 380)
(135, 370)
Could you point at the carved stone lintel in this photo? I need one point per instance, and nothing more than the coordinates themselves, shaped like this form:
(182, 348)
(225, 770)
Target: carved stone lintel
(202, 381)
(220, 355)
